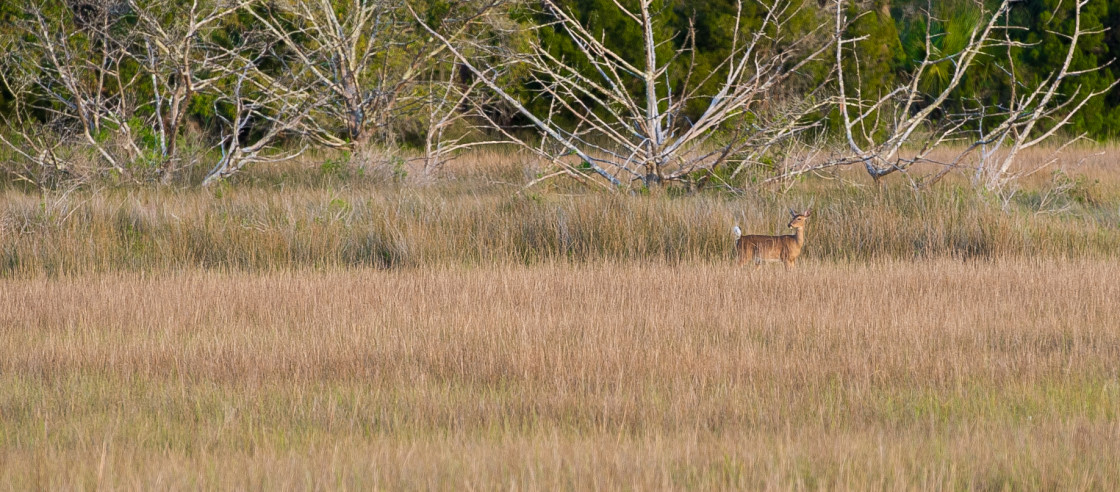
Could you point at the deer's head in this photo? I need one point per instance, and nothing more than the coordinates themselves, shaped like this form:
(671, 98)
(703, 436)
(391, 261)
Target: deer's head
(799, 218)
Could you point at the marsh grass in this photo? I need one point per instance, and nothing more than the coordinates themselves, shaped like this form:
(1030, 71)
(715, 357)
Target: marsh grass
(310, 328)
(928, 374)
(278, 221)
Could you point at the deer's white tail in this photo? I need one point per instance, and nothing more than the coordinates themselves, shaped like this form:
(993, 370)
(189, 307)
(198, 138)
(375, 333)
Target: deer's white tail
(737, 231)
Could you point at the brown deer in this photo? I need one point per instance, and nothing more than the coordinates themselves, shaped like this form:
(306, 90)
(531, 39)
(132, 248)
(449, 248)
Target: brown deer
(773, 248)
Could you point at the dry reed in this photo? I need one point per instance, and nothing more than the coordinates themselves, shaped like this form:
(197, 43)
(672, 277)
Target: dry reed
(931, 374)
(334, 328)
(388, 226)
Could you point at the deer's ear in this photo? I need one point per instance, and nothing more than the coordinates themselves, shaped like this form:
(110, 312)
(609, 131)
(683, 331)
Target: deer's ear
(793, 212)
(807, 212)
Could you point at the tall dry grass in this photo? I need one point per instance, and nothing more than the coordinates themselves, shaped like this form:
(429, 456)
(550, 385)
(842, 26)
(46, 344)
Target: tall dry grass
(888, 374)
(319, 326)
(299, 218)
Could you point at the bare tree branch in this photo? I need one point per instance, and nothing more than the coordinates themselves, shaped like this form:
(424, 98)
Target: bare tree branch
(626, 137)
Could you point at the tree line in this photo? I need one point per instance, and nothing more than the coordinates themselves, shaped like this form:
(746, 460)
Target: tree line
(613, 93)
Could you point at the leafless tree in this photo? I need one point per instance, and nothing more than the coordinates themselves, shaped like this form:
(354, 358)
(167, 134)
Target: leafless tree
(34, 147)
(66, 68)
(362, 56)
(1036, 112)
(96, 76)
(624, 135)
(266, 111)
(173, 50)
(877, 129)
(457, 112)
(894, 131)
(79, 75)
(40, 154)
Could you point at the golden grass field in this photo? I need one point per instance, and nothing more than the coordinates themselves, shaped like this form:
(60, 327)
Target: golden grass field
(396, 336)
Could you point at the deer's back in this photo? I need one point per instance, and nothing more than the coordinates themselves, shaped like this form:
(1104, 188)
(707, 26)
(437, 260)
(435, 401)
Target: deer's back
(769, 247)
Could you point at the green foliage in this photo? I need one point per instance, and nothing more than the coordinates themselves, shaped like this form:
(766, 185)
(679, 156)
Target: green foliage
(880, 55)
(1044, 41)
(1048, 20)
(337, 167)
(947, 36)
(399, 171)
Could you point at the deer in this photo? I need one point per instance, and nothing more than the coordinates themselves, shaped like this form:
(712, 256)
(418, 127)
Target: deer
(773, 248)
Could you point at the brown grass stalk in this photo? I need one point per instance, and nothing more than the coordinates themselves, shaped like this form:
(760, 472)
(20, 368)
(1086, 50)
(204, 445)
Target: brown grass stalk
(930, 374)
(308, 327)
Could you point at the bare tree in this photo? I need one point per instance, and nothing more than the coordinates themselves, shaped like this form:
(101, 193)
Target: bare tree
(108, 75)
(272, 113)
(67, 69)
(105, 77)
(34, 145)
(361, 55)
(1036, 112)
(624, 135)
(40, 154)
(457, 112)
(174, 53)
(260, 112)
(903, 127)
(905, 111)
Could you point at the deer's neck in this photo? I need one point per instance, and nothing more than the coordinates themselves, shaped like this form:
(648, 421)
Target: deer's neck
(799, 236)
